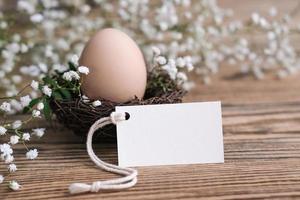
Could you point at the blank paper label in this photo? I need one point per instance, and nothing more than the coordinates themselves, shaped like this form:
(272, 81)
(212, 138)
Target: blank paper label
(170, 134)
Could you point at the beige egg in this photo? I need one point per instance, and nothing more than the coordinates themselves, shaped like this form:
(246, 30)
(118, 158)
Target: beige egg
(117, 67)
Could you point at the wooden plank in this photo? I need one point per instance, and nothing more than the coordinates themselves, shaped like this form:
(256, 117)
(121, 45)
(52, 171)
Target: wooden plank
(262, 152)
(261, 121)
(261, 161)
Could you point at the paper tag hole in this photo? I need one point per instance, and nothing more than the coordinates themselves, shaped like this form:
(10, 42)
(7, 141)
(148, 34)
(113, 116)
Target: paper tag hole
(127, 115)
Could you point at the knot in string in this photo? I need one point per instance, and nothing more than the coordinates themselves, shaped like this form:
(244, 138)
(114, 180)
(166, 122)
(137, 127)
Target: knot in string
(96, 186)
(129, 178)
(117, 117)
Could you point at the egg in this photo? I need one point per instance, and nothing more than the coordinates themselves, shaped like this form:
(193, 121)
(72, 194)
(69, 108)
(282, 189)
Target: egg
(117, 67)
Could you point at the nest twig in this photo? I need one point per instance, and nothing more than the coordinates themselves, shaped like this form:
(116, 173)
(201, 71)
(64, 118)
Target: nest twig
(78, 115)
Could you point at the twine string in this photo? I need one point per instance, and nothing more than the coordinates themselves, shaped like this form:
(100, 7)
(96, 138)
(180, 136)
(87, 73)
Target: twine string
(129, 178)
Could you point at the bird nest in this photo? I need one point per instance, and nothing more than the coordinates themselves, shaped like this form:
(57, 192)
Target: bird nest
(78, 114)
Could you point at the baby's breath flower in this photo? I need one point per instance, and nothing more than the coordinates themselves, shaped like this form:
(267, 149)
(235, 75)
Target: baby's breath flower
(9, 159)
(5, 149)
(180, 62)
(17, 124)
(40, 106)
(32, 154)
(161, 60)
(26, 137)
(12, 168)
(156, 51)
(84, 70)
(85, 98)
(16, 105)
(74, 59)
(14, 139)
(190, 67)
(14, 185)
(47, 91)
(5, 107)
(188, 85)
(255, 18)
(37, 18)
(1, 178)
(97, 103)
(67, 76)
(34, 84)
(75, 75)
(3, 130)
(71, 75)
(25, 100)
(182, 76)
(36, 113)
(39, 132)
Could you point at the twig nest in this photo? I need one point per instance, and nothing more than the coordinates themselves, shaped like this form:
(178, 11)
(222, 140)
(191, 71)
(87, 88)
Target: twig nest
(78, 114)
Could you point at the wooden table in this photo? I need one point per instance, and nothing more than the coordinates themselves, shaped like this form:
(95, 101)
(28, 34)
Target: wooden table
(261, 122)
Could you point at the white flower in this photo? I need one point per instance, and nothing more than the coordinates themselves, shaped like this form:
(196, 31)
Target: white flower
(97, 103)
(74, 59)
(171, 69)
(71, 75)
(16, 79)
(1, 178)
(14, 185)
(271, 35)
(39, 132)
(255, 18)
(32, 154)
(47, 91)
(26, 136)
(36, 18)
(3, 25)
(16, 105)
(67, 76)
(12, 168)
(5, 107)
(14, 47)
(180, 62)
(75, 75)
(9, 159)
(36, 113)
(188, 85)
(14, 139)
(161, 60)
(40, 106)
(190, 67)
(84, 70)
(16, 124)
(182, 76)
(5, 149)
(85, 99)
(273, 12)
(34, 84)
(25, 100)
(3, 130)
(26, 6)
(24, 48)
(156, 51)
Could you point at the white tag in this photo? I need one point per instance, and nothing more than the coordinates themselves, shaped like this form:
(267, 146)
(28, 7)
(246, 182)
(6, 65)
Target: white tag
(169, 134)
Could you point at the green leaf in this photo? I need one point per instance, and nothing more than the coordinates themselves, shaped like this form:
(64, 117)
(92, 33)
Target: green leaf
(57, 95)
(49, 81)
(32, 103)
(72, 66)
(47, 110)
(66, 93)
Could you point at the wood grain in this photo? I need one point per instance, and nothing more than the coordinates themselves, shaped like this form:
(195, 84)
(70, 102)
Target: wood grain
(261, 121)
(262, 153)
